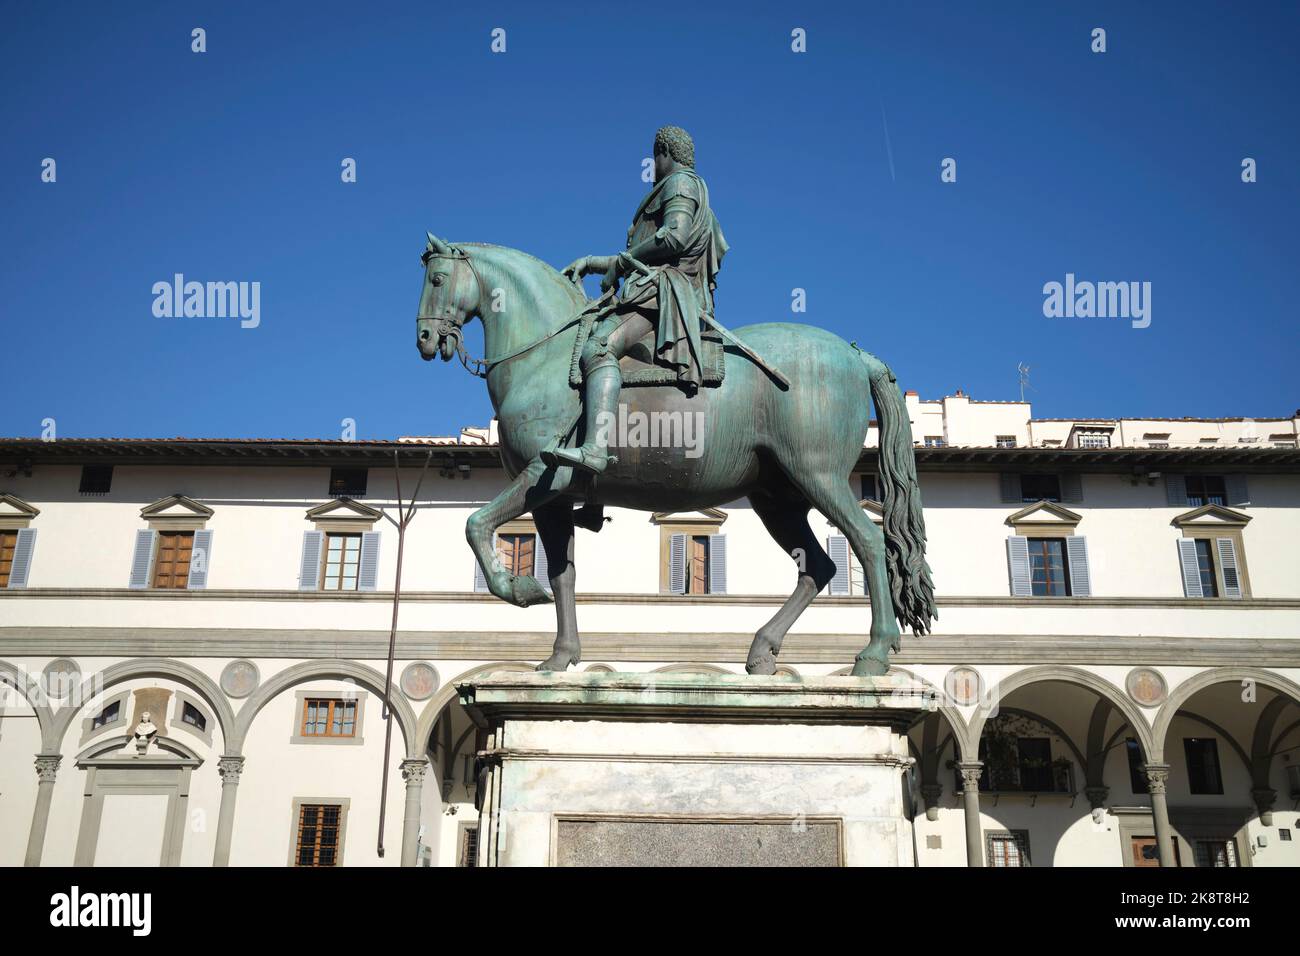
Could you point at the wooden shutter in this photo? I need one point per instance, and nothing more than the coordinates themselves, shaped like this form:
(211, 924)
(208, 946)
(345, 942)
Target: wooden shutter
(1009, 483)
(717, 564)
(1018, 560)
(837, 546)
(1238, 491)
(1228, 567)
(200, 556)
(22, 562)
(1071, 486)
(480, 579)
(541, 570)
(368, 570)
(309, 568)
(1176, 491)
(1076, 549)
(1191, 567)
(142, 559)
(677, 564)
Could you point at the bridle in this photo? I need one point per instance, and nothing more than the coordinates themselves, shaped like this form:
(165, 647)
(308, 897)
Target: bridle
(447, 328)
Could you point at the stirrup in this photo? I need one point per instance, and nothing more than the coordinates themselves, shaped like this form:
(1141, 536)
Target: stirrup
(579, 458)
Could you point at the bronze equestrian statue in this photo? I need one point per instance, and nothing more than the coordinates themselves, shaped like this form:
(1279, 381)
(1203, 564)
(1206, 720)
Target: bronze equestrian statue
(788, 439)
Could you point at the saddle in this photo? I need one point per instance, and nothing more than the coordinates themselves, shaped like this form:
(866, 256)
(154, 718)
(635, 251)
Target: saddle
(639, 368)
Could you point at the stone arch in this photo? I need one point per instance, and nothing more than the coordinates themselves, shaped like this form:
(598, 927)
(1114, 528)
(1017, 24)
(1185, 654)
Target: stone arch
(177, 671)
(1217, 675)
(691, 669)
(22, 682)
(956, 722)
(447, 693)
(1070, 675)
(367, 677)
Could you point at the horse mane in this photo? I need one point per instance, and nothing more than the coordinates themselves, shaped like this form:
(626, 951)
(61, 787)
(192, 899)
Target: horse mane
(549, 271)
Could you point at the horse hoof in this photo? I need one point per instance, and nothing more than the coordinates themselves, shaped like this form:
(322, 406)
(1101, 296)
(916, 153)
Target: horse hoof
(760, 666)
(559, 661)
(526, 591)
(867, 667)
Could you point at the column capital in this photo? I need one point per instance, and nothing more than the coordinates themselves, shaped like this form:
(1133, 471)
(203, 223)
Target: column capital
(971, 771)
(230, 768)
(1157, 776)
(1096, 796)
(413, 771)
(47, 765)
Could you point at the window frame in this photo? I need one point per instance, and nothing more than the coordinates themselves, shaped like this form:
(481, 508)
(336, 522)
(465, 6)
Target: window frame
(1020, 838)
(340, 475)
(344, 805)
(155, 570)
(670, 525)
(323, 577)
(1213, 749)
(1041, 542)
(301, 697)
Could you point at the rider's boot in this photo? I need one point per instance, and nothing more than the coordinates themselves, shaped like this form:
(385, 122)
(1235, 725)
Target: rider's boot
(604, 381)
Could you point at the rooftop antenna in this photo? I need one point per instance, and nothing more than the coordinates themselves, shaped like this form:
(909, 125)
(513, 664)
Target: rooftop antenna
(1023, 369)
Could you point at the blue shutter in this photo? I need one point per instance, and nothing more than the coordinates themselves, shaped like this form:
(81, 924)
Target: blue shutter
(200, 560)
(22, 563)
(1071, 486)
(1018, 560)
(1191, 567)
(717, 564)
(142, 559)
(837, 546)
(1076, 549)
(1238, 492)
(541, 570)
(1176, 494)
(677, 563)
(1009, 483)
(1228, 565)
(368, 573)
(309, 566)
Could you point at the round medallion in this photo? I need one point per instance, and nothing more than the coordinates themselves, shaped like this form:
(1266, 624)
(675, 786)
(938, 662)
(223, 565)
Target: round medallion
(60, 678)
(964, 686)
(1146, 686)
(419, 680)
(240, 678)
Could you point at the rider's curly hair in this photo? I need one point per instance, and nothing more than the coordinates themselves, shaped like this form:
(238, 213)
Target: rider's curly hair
(677, 143)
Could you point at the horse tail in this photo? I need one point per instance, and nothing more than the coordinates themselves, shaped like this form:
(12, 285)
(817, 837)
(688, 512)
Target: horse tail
(904, 523)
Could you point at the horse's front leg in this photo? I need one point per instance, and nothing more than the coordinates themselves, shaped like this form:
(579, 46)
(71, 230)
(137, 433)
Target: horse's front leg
(555, 528)
(532, 488)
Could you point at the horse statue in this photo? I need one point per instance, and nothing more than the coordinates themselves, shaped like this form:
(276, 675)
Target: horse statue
(787, 442)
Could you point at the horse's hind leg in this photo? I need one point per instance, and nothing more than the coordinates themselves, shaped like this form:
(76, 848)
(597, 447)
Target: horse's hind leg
(786, 520)
(555, 527)
(831, 495)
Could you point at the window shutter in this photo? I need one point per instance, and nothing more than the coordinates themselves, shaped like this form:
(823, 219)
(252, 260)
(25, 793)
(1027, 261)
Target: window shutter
(1010, 485)
(677, 564)
(717, 564)
(22, 564)
(309, 568)
(1191, 567)
(368, 570)
(142, 559)
(1238, 493)
(200, 558)
(1228, 565)
(541, 569)
(1076, 549)
(1018, 559)
(1176, 492)
(837, 546)
(1071, 486)
(480, 579)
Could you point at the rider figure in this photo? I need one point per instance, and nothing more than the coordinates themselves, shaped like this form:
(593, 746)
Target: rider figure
(675, 234)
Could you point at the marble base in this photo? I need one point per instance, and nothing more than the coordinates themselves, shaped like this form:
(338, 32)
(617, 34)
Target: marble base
(671, 769)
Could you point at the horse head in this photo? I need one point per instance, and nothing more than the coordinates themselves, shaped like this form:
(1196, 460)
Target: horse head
(449, 297)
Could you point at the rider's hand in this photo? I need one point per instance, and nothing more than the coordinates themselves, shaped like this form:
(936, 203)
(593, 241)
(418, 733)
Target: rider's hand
(611, 277)
(576, 270)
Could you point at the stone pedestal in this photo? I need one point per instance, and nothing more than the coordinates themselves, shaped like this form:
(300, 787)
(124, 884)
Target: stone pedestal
(693, 769)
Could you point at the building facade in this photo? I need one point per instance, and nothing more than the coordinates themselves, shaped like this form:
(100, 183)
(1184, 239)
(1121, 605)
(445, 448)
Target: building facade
(1117, 653)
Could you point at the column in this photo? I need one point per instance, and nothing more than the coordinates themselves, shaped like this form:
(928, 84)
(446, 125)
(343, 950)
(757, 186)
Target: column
(930, 794)
(47, 766)
(970, 791)
(1157, 776)
(413, 772)
(230, 768)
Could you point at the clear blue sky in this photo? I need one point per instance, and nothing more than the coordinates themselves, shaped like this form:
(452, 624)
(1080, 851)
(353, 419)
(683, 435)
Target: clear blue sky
(225, 166)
